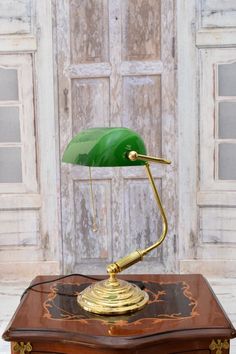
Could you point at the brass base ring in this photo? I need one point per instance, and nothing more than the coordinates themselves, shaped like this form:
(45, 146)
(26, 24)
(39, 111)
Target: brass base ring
(112, 297)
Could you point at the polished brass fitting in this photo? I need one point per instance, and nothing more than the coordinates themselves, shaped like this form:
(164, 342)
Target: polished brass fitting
(125, 262)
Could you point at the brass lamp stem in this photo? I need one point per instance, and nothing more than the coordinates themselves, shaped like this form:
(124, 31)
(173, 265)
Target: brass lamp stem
(163, 215)
(137, 255)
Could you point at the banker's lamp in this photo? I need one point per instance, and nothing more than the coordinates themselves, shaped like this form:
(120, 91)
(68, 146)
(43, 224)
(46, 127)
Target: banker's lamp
(115, 147)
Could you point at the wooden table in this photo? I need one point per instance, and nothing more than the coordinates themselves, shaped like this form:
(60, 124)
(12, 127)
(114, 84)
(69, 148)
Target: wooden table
(182, 316)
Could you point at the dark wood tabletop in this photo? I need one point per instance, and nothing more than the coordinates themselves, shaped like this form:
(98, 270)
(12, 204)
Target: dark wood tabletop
(180, 306)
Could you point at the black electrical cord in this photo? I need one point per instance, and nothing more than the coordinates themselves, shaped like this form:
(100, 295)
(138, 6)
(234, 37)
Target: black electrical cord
(56, 279)
(138, 283)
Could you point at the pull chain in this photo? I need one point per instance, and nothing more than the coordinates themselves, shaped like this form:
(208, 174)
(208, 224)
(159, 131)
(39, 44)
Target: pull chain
(95, 228)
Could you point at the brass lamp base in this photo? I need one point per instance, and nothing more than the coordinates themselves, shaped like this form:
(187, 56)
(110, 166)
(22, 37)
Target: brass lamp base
(112, 297)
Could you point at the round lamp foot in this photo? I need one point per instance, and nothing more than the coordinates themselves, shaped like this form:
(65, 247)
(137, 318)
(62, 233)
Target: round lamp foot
(112, 297)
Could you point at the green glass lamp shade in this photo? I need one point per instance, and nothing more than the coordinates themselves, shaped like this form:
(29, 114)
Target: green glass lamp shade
(104, 147)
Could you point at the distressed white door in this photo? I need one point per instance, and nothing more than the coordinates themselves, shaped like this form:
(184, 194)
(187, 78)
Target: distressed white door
(116, 68)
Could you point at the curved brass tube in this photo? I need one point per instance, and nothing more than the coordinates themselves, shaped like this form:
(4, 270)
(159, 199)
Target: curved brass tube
(163, 215)
(137, 255)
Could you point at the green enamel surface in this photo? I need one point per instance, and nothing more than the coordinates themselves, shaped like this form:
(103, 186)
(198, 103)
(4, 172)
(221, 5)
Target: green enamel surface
(104, 147)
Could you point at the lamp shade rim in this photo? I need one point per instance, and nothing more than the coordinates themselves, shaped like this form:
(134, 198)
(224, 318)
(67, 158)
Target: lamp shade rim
(104, 147)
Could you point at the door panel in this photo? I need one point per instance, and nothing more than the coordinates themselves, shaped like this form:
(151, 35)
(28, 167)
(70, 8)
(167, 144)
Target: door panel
(92, 245)
(89, 31)
(115, 59)
(142, 109)
(141, 30)
(90, 103)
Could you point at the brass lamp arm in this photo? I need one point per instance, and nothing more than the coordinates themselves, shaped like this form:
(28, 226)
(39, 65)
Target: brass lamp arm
(133, 156)
(163, 215)
(137, 255)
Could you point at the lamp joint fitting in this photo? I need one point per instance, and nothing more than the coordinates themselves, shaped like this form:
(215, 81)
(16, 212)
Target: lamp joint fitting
(133, 155)
(113, 268)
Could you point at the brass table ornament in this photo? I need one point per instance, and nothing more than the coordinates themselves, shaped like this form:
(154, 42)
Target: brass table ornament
(22, 348)
(218, 346)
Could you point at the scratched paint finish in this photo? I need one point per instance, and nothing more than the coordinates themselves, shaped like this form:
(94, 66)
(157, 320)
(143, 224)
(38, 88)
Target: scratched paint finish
(169, 134)
(142, 220)
(141, 29)
(90, 103)
(92, 245)
(63, 35)
(142, 109)
(19, 228)
(15, 16)
(218, 225)
(215, 13)
(89, 31)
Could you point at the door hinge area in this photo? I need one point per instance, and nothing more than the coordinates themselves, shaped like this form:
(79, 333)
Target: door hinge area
(173, 47)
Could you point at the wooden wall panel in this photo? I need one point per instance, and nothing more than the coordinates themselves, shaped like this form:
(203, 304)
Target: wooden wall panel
(19, 227)
(218, 225)
(90, 103)
(89, 31)
(141, 23)
(142, 109)
(215, 13)
(93, 244)
(141, 216)
(15, 16)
